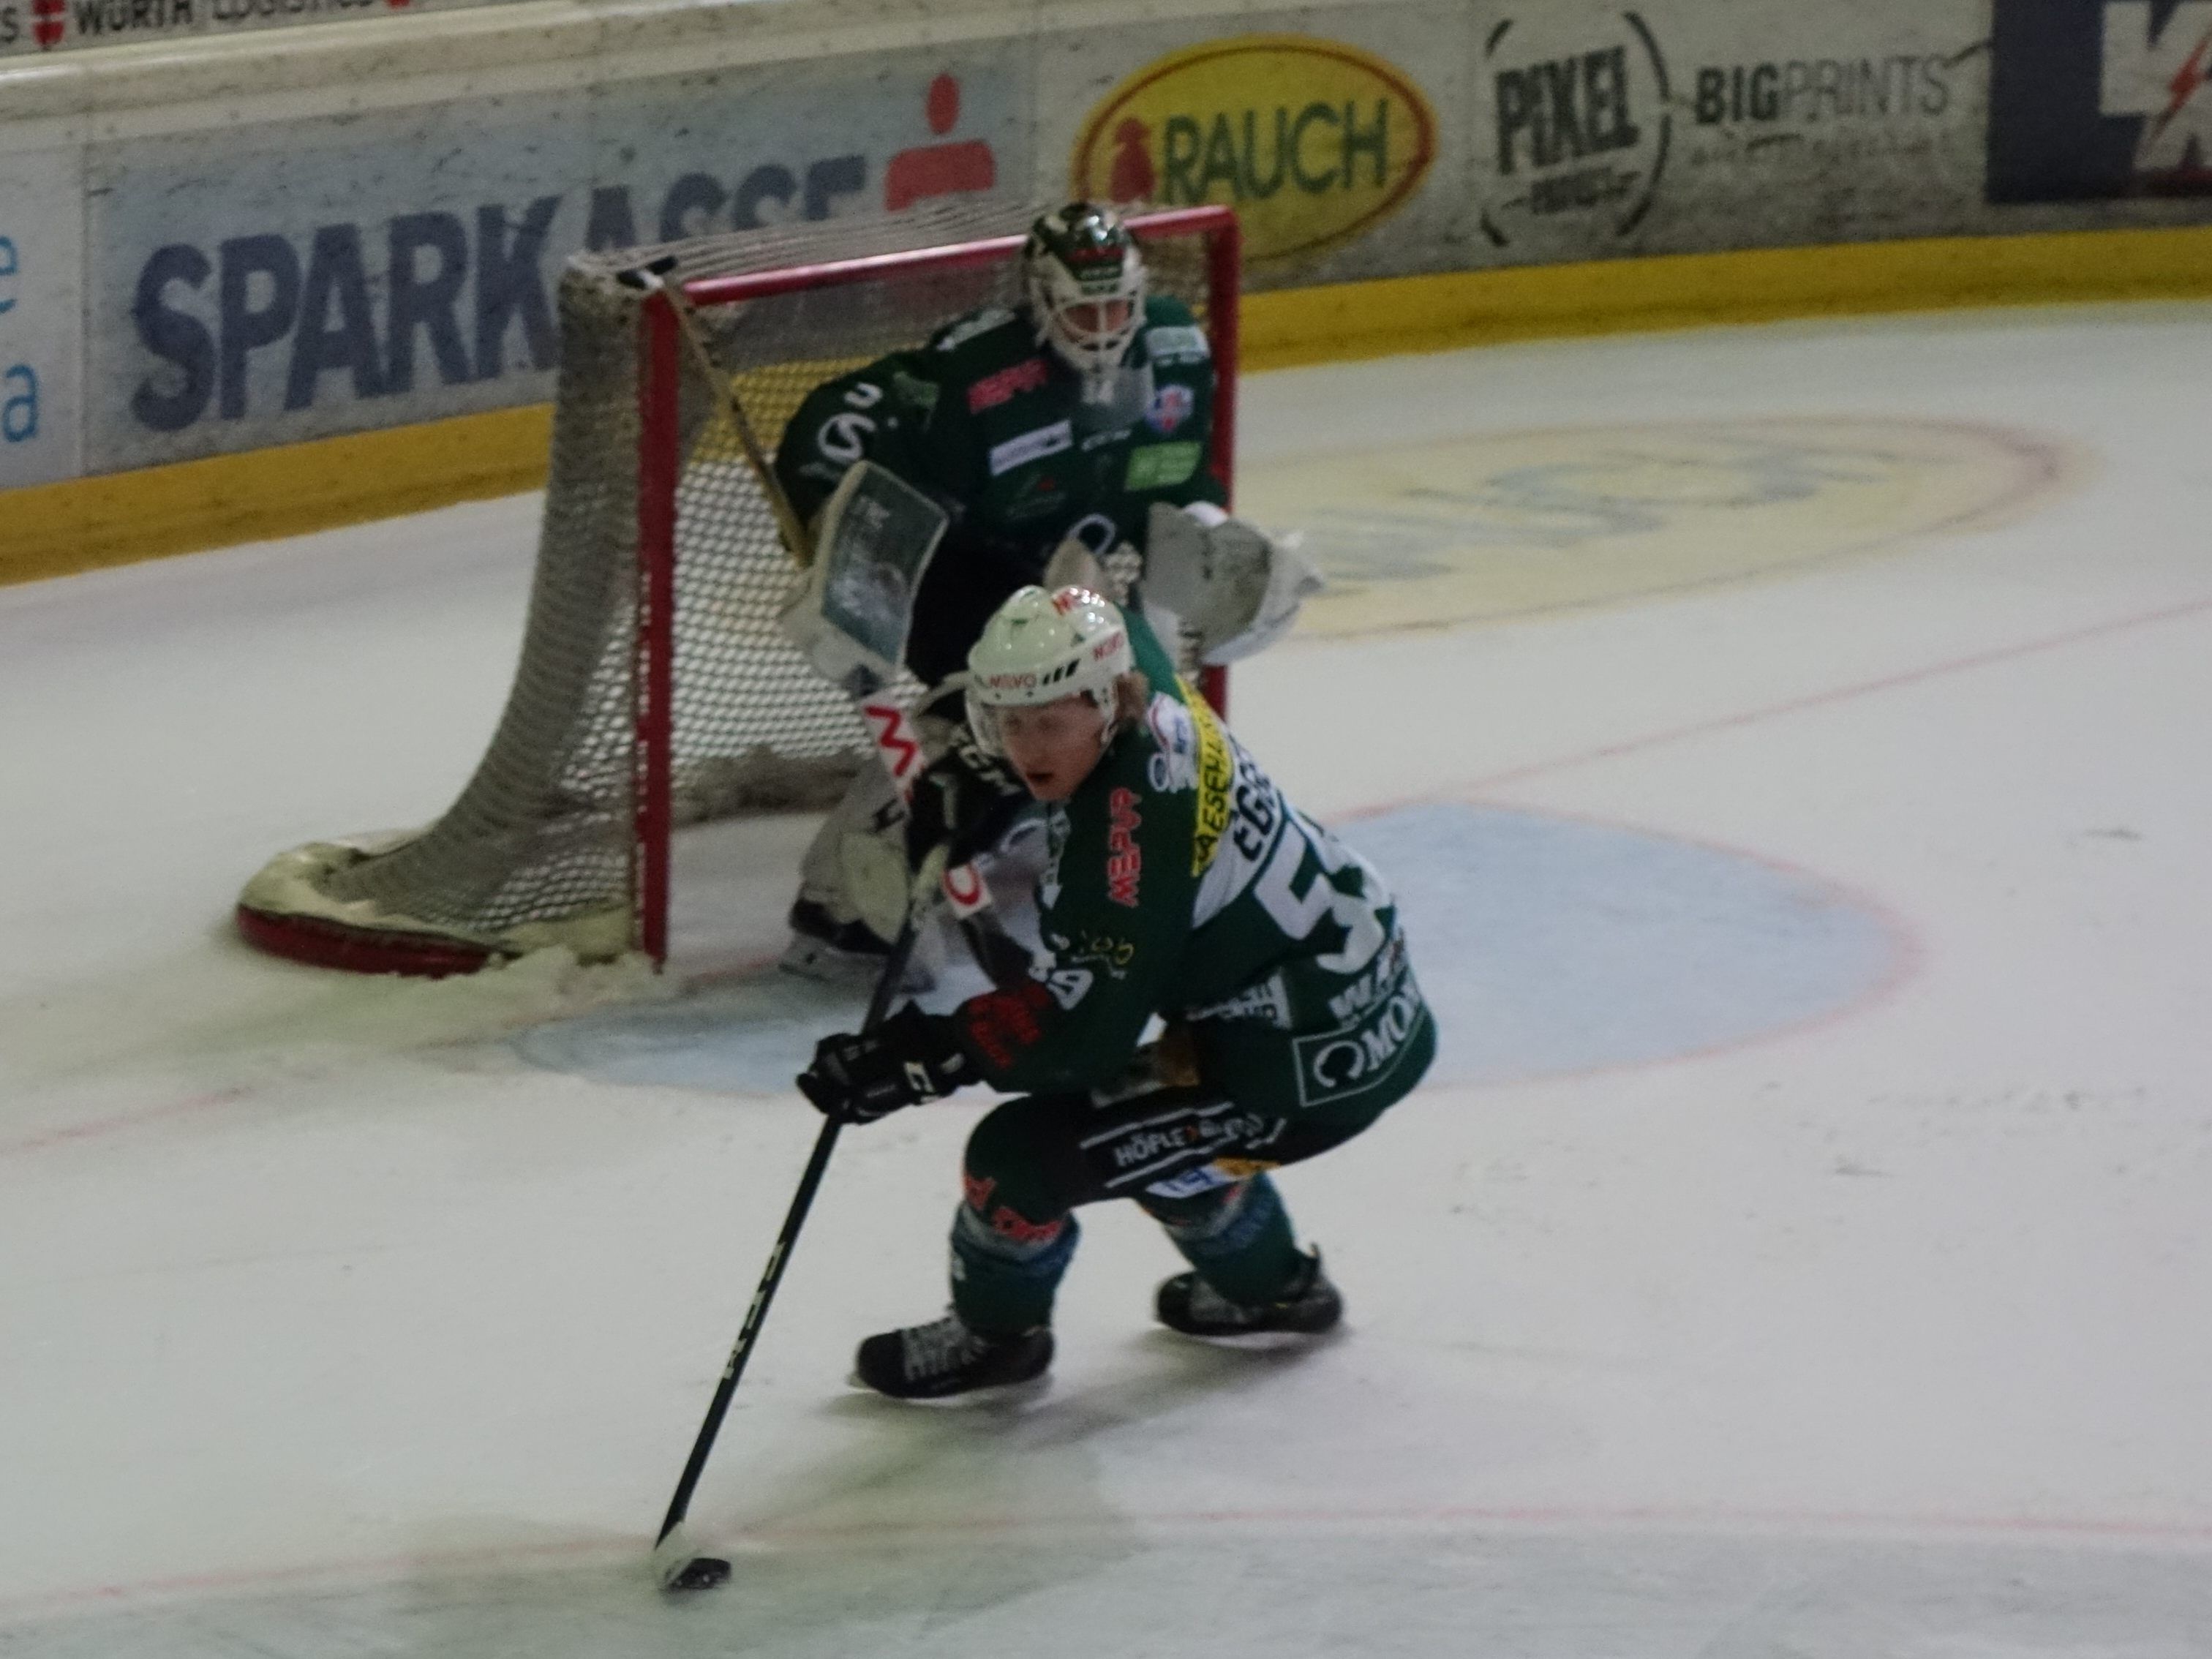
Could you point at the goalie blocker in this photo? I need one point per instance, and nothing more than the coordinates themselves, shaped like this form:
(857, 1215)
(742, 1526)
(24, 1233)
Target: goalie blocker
(871, 547)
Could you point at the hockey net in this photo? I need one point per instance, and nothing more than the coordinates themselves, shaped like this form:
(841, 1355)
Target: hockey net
(654, 688)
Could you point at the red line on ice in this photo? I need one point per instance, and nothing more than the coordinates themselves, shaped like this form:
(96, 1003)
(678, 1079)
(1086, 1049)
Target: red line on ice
(47, 1139)
(1840, 694)
(614, 1550)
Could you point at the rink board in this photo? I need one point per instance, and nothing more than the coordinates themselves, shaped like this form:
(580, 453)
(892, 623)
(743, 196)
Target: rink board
(220, 254)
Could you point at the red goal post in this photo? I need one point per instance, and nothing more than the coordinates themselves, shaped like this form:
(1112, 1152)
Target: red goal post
(655, 689)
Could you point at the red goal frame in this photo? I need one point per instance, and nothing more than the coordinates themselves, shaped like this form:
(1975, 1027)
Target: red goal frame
(661, 348)
(321, 934)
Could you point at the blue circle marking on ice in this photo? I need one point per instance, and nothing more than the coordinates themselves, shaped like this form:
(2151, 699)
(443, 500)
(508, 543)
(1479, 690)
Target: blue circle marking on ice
(1546, 945)
(751, 1035)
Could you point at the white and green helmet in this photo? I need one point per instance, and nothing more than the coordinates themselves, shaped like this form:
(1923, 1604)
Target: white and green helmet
(1086, 285)
(1040, 647)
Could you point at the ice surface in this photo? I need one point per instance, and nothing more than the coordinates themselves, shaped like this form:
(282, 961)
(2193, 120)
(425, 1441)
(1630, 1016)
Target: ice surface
(1583, 944)
(1801, 1251)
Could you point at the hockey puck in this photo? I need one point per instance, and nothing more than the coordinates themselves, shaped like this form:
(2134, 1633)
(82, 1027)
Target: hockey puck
(699, 1572)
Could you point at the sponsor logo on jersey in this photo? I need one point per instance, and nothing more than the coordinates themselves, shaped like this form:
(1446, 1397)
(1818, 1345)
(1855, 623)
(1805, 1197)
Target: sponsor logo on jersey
(1268, 1000)
(1149, 1146)
(1006, 1222)
(1001, 1024)
(1170, 407)
(898, 744)
(1363, 1054)
(1173, 763)
(1215, 772)
(1113, 954)
(1104, 440)
(1039, 495)
(1157, 466)
(982, 323)
(965, 890)
(1033, 446)
(1125, 859)
(913, 392)
(1140, 1150)
(1374, 985)
(1028, 375)
(844, 437)
(1314, 142)
(1178, 344)
(1191, 1182)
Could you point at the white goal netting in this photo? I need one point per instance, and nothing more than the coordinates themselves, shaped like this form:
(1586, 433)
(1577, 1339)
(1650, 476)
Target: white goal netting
(552, 840)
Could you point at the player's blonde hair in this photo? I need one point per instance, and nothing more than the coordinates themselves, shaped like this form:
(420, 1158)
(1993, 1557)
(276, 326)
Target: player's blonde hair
(1132, 696)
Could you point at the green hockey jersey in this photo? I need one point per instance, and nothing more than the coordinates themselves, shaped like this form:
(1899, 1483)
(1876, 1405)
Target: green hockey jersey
(992, 425)
(1182, 883)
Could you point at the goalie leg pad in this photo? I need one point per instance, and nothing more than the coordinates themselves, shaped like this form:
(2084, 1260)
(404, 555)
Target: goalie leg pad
(868, 812)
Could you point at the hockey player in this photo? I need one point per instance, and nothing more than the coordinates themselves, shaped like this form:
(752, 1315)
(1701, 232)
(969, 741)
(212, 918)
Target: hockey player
(1064, 419)
(1180, 883)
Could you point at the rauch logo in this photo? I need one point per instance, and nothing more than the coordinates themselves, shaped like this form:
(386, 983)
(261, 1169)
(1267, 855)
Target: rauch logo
(1313, 142)
(1581, 128)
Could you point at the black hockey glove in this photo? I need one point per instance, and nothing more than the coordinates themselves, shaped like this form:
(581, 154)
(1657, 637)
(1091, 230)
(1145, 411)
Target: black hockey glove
(909, 1058)
(964, 802)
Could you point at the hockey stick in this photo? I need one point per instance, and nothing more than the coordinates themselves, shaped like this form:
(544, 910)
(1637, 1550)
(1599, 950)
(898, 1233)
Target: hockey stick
(651, 277)
(679, 1566)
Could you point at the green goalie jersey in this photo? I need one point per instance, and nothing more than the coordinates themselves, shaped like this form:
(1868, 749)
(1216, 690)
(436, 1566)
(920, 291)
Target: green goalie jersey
(992, 425)
(1180, 883)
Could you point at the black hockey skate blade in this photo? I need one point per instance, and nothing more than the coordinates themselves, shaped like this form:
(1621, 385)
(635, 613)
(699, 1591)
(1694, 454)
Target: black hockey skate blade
(699, 1572)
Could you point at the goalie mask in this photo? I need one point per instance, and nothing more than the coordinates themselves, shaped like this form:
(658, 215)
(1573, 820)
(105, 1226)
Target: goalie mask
(1039, 648)
(1085, 282)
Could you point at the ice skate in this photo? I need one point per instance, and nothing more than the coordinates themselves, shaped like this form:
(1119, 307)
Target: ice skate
(1308, 1305)
(944, 1357)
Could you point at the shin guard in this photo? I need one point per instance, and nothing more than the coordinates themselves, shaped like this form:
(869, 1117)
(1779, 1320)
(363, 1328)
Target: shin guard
(1238, 1238)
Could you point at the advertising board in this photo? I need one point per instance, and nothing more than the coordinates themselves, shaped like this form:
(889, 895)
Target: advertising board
(42, 315)
(35, 27)
(1339, 145)
(1679, 127)
(2094, 99)
(400, 266)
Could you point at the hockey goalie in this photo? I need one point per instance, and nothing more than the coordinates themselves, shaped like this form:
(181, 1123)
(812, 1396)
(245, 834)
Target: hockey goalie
(1062, 439)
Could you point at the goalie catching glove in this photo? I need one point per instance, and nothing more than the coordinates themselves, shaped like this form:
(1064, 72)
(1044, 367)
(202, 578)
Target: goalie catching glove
(1234, 589)
(857, 1077)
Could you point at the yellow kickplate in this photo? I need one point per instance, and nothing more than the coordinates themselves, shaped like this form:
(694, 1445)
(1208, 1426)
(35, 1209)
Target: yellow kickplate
(1296, 326)
(53, 530)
